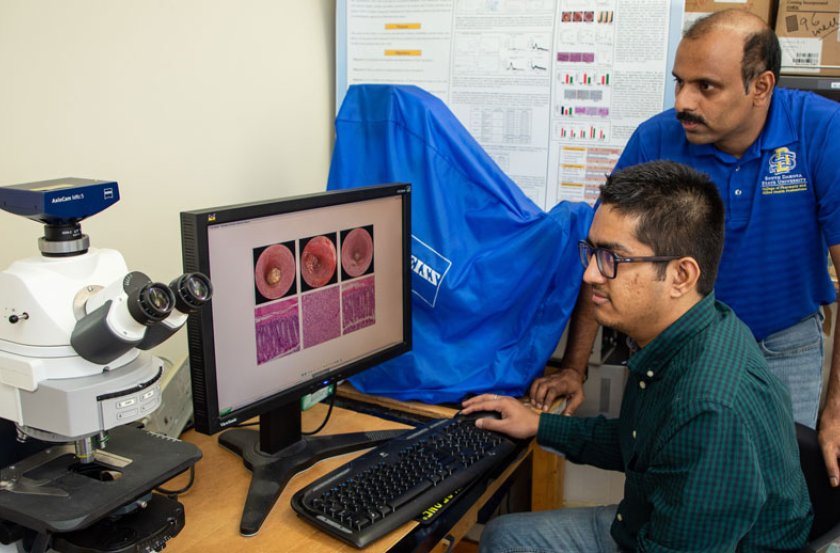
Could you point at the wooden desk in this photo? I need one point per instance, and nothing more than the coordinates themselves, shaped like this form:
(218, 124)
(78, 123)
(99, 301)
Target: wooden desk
(214, 504)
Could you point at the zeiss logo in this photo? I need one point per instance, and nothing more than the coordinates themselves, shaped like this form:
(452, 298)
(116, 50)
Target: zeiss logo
(429, 268)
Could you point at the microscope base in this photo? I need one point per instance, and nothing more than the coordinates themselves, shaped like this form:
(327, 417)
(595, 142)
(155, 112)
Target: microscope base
(140, 532)
(49, 494)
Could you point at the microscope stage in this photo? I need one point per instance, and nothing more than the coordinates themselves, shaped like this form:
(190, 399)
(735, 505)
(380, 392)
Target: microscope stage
(73, 500)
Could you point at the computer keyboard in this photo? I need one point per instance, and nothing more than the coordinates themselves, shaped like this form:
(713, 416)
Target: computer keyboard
(395, 482)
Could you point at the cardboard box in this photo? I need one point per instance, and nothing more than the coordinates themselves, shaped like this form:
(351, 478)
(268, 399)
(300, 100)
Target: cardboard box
(695, 9)
(808, 32)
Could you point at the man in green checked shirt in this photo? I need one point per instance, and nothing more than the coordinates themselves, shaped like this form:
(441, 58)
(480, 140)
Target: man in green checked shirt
(705, 436)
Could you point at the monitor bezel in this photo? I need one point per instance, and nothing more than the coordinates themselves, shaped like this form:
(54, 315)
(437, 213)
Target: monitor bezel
(195, 225)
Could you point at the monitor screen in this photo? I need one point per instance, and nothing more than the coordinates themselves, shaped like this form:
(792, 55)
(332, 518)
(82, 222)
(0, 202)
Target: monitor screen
(307, 291)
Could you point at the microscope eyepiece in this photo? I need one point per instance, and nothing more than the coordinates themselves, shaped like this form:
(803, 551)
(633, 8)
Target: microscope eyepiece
(136, 312)
(189, 292)
(150, 303)
(192, 290)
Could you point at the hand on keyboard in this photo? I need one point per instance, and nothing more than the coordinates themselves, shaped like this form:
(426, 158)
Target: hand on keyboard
(516, 419)
(396, 481)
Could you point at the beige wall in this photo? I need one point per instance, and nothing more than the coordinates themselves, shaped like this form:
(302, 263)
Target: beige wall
(186, 103)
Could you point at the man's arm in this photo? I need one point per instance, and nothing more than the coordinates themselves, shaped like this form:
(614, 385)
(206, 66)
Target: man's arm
(586, 440)
(568, 381)
(829, 425)
(583, 328)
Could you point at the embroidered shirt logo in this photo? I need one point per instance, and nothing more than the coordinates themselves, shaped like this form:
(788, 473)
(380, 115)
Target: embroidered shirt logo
(429, 268)
(782, 178)
(782, 161)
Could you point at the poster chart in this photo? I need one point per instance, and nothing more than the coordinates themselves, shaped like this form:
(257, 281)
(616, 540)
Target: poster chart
(551, 89)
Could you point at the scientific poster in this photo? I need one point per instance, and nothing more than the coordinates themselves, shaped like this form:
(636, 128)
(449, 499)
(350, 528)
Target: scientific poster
(552, 89)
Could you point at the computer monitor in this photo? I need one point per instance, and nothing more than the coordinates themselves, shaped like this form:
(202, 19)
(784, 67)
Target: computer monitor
(828, 87)
(307, 291)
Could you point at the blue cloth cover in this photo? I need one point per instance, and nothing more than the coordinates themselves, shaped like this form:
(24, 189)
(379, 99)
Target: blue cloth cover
(494, 279)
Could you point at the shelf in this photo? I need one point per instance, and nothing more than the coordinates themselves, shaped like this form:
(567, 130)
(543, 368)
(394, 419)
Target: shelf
(825, 86)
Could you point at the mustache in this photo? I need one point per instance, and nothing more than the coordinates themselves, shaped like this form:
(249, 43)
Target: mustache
(690, 118)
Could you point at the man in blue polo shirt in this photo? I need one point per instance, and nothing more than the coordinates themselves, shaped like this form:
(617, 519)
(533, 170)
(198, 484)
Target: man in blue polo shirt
(774, 155)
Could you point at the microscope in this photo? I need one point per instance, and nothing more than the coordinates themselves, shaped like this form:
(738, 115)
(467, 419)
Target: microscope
(76, 376)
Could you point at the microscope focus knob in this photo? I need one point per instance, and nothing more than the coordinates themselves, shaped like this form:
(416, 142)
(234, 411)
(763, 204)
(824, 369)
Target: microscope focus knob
(14, 318)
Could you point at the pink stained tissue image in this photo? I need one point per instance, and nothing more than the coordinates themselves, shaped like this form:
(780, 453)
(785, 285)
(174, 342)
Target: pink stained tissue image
(358, 304)
(318, 261)
(278, 330)
(275, 271)
(321, 320)
(356, 252)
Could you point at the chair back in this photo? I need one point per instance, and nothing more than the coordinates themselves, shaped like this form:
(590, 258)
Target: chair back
(825, 500)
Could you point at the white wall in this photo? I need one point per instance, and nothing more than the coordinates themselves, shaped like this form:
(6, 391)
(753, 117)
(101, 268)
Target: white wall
(186, 103)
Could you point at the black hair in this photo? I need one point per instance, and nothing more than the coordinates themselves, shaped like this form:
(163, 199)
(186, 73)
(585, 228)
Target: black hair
(762, 51)
(679, 213)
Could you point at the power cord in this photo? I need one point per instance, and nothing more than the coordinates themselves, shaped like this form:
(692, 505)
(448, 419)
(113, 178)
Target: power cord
(173, 494)
(326, 418)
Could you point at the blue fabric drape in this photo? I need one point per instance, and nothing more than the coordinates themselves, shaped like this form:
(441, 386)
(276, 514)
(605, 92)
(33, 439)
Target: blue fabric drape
(495, 277)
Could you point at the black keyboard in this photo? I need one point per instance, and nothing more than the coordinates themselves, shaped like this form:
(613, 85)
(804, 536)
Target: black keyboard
(399, 479)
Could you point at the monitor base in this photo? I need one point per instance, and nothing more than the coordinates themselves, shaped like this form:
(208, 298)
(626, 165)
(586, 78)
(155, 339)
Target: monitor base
(272, 471)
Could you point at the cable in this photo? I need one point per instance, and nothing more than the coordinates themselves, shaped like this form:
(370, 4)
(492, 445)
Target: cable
(321, 427)
(244, 424)
(326, 418)
(173, 494)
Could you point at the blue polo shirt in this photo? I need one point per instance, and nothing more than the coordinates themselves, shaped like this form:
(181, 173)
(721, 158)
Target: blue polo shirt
(782, 200)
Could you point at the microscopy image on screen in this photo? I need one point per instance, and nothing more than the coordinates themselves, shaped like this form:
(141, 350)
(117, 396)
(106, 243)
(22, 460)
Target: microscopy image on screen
(295, 294)
(321, 310)
(318, 261)
(320, 314)
(356, 252)
(358, 304)
(277, 329)
(274, 271)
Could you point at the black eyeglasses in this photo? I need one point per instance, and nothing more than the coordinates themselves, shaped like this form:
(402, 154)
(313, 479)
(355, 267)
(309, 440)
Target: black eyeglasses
(608, 261)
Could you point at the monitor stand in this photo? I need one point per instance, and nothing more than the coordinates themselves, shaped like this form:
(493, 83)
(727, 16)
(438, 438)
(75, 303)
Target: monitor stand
(278, 450)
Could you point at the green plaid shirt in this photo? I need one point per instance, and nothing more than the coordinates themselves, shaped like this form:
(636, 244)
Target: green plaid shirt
(706, 441)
